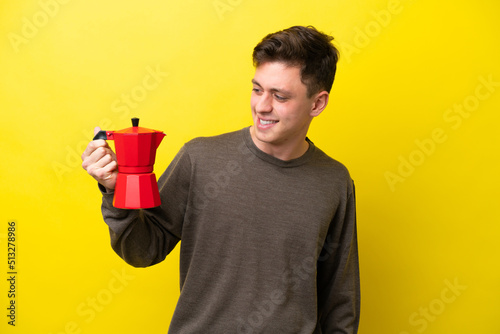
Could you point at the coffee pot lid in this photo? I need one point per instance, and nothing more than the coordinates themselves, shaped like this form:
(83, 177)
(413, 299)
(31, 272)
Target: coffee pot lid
(136, 129)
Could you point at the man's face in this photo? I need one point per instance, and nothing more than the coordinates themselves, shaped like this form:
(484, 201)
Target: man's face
(281, 110)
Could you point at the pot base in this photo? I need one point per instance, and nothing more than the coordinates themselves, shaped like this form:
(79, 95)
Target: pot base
(136, 191)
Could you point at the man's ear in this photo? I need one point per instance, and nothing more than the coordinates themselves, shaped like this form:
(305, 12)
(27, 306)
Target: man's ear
(319, 103)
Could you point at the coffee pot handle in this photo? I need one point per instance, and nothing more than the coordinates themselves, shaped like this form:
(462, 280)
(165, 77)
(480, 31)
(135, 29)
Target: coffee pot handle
(104, 135)
(100, 135)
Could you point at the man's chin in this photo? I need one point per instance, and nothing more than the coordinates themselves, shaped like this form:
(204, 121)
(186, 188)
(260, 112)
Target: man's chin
(259, 136)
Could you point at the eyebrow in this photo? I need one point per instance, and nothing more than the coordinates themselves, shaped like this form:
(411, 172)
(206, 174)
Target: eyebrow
(256, 83)
(274, 90)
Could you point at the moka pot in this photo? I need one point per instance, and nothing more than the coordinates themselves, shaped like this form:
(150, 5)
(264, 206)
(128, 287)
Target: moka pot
(135, 147)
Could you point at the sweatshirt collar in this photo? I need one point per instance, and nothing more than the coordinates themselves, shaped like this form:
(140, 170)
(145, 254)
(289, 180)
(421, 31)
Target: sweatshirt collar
(273, 160)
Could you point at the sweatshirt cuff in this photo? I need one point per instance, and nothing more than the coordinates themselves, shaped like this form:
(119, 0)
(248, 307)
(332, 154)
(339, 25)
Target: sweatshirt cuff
(104, 190)
(107, 197)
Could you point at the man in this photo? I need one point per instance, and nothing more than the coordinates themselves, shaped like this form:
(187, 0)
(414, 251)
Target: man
(267, 220)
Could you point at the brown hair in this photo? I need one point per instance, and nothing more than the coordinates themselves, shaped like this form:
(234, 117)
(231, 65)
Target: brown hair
(305, 47)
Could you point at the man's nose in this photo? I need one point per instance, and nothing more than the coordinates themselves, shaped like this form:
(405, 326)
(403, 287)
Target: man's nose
(265, 103)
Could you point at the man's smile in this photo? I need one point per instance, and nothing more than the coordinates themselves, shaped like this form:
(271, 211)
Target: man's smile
(266, 123)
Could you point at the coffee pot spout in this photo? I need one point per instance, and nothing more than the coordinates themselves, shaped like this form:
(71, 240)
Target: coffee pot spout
(158, 138)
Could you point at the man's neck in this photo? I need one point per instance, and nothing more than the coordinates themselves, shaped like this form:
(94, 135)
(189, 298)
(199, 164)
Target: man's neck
(285, 152)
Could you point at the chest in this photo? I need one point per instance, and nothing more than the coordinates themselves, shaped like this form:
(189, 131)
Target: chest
(262, 207)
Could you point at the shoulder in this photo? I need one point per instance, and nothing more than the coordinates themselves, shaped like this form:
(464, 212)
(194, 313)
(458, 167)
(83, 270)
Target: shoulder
(219, 147)
(321, 159)
(331, 169)
(222, 139)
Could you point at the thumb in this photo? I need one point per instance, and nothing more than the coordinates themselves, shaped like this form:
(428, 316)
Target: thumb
(96, 130)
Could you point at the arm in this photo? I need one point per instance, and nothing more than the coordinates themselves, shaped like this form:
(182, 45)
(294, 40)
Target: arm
(338, 273)
(145, 237)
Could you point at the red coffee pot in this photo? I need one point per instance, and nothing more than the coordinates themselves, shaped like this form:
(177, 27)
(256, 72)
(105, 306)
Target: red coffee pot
(136, 186)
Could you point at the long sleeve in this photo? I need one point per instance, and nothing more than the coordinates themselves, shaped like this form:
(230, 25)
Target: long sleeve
(145, 237)
(338, 274)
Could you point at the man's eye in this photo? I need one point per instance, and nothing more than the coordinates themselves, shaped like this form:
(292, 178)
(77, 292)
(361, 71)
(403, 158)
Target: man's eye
(280, 98)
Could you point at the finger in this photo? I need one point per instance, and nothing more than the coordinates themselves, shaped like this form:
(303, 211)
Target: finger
(94, 157)
(101, 158)
(92, 146)
(103, 168)
(113, 155)
(96, 130)
(103, 174)
(110, 168)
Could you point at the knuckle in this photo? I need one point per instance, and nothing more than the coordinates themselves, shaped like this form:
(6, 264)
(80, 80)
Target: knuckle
(99, 173)
(92, 146)
(91, 170)
(101, 151)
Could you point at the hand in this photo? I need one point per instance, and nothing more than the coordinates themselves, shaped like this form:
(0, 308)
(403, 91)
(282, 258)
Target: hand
(99, 161)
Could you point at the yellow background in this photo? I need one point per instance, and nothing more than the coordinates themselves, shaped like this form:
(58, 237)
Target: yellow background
(426, 176)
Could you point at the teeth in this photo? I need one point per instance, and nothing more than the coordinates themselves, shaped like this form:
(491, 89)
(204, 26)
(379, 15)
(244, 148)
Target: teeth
(267, 122)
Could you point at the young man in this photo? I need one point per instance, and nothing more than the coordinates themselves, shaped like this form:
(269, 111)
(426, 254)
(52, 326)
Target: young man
(267, 220)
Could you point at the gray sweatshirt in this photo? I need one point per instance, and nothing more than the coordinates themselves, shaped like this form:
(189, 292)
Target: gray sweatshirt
(268, 246)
